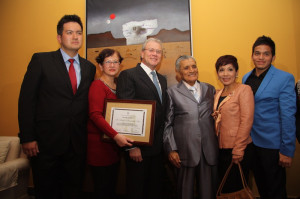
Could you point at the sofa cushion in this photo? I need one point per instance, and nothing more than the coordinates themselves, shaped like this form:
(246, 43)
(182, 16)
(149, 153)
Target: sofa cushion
(4, 147)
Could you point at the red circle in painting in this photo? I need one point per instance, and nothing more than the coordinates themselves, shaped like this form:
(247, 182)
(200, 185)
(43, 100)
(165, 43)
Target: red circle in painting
(112, 16)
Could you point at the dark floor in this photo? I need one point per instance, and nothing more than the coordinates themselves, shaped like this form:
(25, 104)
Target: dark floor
(89, 195)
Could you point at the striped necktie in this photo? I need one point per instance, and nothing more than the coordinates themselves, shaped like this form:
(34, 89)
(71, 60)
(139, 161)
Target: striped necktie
(155, 81)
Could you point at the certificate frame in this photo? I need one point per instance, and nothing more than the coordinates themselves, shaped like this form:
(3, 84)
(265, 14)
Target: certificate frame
(144, 107)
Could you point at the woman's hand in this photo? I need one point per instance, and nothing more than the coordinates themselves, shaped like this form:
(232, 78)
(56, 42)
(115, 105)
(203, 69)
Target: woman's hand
(236, 158)
(122, 141)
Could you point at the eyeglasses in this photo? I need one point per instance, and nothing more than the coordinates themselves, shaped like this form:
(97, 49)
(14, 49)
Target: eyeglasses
(112, 62)
(152, 50)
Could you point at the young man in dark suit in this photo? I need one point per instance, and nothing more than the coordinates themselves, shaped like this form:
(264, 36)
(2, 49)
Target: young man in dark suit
(144, 164)
(53, 107)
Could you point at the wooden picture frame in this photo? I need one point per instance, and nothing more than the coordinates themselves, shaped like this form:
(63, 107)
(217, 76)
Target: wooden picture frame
(131, 118)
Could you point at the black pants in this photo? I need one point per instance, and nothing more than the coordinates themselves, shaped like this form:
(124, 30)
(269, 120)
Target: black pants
(234, 182)
(144, 179)
(270, 178)
(105, 180)
(57, 177)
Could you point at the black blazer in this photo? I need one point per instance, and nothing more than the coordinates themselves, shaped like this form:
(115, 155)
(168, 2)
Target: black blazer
(49, 112)
(298, 111)
(134, 83)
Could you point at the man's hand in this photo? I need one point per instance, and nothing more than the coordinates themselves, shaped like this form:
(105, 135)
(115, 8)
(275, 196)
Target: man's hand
(30, 148)
(122, 141)
(135, 154)
(174, 159)
(285, 161)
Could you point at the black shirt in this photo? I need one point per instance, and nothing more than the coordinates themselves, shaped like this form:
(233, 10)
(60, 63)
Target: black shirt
(254, 81)
(220, 100)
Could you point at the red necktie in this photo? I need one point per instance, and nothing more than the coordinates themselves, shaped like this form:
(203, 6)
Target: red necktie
(72, 75)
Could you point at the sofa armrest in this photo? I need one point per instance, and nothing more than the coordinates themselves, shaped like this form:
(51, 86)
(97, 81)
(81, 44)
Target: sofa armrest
(19, 163)
(9, 172)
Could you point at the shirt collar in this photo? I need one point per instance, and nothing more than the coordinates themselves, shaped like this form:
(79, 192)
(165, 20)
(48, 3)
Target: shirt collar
(66, 57)
(146, 69)
(261, 75)
(196, 85)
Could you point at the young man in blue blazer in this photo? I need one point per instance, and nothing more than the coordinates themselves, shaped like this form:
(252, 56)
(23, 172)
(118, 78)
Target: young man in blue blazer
(273, 130)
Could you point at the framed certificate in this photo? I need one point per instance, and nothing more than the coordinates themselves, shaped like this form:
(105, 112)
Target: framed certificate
(131, 118)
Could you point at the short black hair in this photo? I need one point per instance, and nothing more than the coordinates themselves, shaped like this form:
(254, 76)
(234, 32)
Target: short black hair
(107, 52)
(66, 19)
(227, 59)
(264, 40)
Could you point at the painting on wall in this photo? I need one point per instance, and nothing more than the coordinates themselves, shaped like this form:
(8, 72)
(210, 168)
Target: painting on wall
(125, 25)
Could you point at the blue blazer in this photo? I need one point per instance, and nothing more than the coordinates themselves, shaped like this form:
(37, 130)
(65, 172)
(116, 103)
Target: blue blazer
(274, 116)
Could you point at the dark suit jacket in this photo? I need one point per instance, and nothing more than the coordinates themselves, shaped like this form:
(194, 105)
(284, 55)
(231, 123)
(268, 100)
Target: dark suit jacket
(298, 111)
(189, 128)
(134, 83)
(49, 112)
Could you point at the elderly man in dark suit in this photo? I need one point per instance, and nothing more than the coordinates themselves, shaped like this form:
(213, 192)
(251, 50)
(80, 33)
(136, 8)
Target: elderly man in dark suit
(53, 108)
(189, 136)
(144, 164)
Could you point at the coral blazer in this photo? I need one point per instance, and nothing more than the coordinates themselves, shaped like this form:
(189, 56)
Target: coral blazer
(234, 119)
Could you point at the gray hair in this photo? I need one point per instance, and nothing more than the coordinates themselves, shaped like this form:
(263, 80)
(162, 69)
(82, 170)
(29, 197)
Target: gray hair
(151, 39)
(181, 58)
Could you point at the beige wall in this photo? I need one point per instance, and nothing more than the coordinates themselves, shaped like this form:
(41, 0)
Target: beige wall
(219, 27)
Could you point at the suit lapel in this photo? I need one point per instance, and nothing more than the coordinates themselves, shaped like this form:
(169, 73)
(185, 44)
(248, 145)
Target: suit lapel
(246, 77)
(217, 97)
(185, 91)
(203, 89)
(162, 85)
(265, 81)
(217, 100)
(83, 73)
(146, 79)
(62, 70)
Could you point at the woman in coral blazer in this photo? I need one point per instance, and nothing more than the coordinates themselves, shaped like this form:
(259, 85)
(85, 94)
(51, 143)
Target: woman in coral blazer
(233, 114)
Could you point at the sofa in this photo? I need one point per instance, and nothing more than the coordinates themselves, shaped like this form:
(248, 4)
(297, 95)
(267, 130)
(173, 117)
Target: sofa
(14, 169)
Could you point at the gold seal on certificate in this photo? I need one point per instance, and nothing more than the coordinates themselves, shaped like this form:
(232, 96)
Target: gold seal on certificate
(132, 118)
